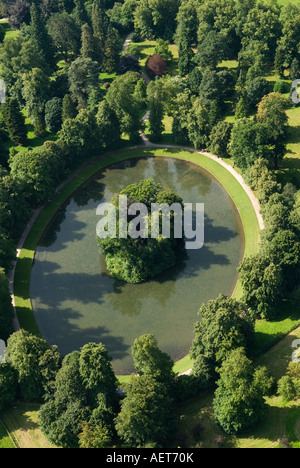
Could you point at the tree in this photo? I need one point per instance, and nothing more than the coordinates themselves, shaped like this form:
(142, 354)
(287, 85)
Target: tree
(8, 386)
(108, 126)
(14, 122)
(225, 325)
(239, 399)
(194, 80)
(68, 108)
(79, 13)
(284, 251)
(219, 139)
(294, 70)
(162, 49)
(84, 394)
(138, 257)
(18, 13)
(79, 137)
(40, 36)
(65, 34)
(212, 50)
(95, 436)
(23, 353)
(14, 210)
(111, 54)
(35, 91)
(150, 360)
(248, 143)
(97, 374)
(256, 90)
(83, 76)
(287, 45)
(123, 99)
(39, 171)
(90, 48)
(264, 26)
(100, 22)
(271, 111)
(262, 284)
(156, 66)
(146, 412)
(286, 388)
(150, 18)
(156, 110)
(128, 63)
(6, 308)
(53, 114)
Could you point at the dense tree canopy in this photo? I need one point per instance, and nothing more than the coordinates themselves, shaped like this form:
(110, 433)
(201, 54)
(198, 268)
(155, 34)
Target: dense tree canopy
(141, 253)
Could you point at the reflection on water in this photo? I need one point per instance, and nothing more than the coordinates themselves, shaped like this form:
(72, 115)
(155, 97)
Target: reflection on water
(78, 302)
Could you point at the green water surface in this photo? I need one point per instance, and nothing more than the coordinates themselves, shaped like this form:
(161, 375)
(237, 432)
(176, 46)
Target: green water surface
(76, 301)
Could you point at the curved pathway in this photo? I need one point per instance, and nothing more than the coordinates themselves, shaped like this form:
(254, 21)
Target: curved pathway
(220, 161)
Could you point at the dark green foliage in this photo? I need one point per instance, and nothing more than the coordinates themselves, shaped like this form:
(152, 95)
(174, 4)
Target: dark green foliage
(212, 50)
(8, 386)
(24, 353)
(84, 394)
(138, 257)
(53, 114)
(14, 122)
(146, 413)
(111, 53)
(18, 13)
(194, 80)
(83, 77)
(79, 13)
(156, 110)
(262, 282)
(248, 143)
(65, 34)
(128, 63)
(156, 19)
(124, 99)
(6, 308)
(219, 139)
(239, 399)
(225, 325)
(39, 171)
(68, 108)
(90, 45)
(256, 90)
(108, 126)
(295, 69)
(150, 360)
(40, 36)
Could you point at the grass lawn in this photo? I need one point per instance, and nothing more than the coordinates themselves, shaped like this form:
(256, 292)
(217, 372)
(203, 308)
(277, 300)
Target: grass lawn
(23, 426)
(33, 141)
(147, 48)
(5, 440)
(6, 28)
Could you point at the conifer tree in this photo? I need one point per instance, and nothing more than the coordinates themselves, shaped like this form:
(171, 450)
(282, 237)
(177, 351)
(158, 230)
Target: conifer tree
(14, 122)
(100, 22)
(111, 51)
(87, 42)
(79, 13)
(40, 35)
(68, 108)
